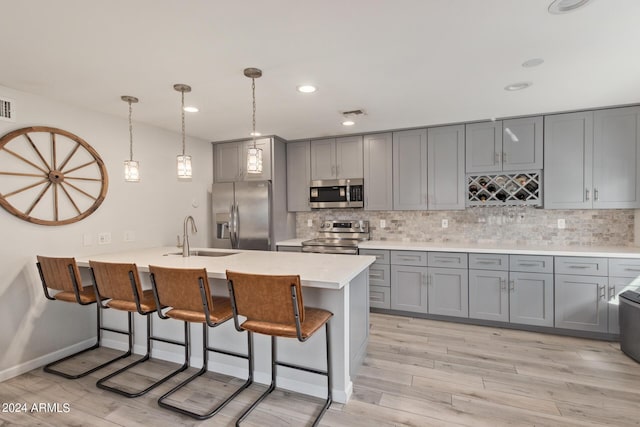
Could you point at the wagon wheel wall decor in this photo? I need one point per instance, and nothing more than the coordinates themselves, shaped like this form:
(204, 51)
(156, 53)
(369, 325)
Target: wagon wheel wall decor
(50, 176)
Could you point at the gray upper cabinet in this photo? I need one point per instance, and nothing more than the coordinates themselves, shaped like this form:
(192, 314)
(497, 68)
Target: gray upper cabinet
(336, 158)
(231, 161)
(446, 178)
(378, 172)
(298, 176)
(410, 170)
(484, 147)
(616, 158)
(522, 143)
(509, 145)
(592, 159)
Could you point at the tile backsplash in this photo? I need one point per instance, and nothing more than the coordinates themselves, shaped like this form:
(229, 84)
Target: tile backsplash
(507, 225)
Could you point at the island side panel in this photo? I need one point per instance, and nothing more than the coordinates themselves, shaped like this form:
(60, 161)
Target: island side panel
(358, 321)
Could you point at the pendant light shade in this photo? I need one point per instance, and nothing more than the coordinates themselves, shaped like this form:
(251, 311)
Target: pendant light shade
(131, 167)
(254, 154)
(183, 161)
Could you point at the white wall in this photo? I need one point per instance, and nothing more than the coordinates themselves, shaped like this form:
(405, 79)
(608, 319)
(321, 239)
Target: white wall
(31, 326)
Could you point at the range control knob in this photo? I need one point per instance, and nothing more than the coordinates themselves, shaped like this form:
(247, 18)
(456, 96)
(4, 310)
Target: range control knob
(322, 226)
(357, 225)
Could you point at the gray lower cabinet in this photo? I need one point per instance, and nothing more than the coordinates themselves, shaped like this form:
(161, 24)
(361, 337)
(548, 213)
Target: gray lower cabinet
(581, 302)
(409, 288)
(448, 291)
(489, 295)
(378, 172)
(531, 298)
(623, 276)
(379, 297)
(379, 278)
(298, 176)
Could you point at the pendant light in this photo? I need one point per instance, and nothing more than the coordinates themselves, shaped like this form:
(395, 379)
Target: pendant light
(131, 167)
(254, 154)
(183, 161)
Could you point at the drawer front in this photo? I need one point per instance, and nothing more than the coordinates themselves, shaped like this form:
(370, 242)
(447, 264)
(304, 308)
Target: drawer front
(379, 297)
(379, 275)
(489, 262)
(382, 256)
(409, 258)
(531, 263)
(584, 266)
(624, 267)
(447, 259)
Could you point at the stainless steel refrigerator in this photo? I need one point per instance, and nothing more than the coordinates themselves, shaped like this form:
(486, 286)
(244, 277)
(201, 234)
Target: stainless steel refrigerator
(242, 215)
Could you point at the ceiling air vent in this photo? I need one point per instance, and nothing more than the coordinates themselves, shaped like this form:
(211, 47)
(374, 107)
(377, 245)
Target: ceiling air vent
(353, 113)
(7, 110)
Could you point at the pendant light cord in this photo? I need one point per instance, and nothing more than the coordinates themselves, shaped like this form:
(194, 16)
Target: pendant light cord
(130, 133)
(253, 92)
(183, 131)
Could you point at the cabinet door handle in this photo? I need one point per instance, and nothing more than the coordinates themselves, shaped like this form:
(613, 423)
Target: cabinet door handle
(504, 157)
(632, 269)
(446, 260)
(595, 194)
(527, 264)
(503, 284)
(512, 285)
(424, 279)
(586, 194)
(602, 291)
(375, 276)
(493, 262)
(578, 266)
(496, 157)
(612, 293)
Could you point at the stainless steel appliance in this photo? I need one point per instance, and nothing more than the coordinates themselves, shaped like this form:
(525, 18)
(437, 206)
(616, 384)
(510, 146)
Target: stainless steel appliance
(338, 237)
(336, 193)
(242, 216)
(629, 317)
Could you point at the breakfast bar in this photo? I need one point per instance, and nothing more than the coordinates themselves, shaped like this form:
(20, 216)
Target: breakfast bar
(338, 283)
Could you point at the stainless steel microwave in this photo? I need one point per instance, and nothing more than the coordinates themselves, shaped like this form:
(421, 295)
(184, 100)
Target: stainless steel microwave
(336, 193)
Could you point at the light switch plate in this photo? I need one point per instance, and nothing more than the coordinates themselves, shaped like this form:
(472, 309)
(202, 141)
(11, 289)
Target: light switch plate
(309, 223)
(562, 224)
(383, 223)
(445, 223)
(104, 238)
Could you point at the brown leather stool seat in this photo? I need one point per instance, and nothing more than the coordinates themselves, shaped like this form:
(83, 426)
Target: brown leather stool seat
(273, 305)
(62, 275)
(187, 294)
(118, 287)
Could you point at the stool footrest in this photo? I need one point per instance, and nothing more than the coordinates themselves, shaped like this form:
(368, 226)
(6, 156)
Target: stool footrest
(302, 368)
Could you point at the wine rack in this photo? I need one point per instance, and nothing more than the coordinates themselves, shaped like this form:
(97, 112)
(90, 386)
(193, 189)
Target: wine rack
(521, 188)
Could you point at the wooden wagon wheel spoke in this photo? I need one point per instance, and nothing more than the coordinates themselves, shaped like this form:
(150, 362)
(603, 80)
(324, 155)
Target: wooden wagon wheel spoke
(78, 167)
(26, 188)
(37, 151)
(58, 209)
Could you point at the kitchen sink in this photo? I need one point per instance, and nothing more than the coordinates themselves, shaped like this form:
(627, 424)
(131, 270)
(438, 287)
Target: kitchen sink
(204, 253)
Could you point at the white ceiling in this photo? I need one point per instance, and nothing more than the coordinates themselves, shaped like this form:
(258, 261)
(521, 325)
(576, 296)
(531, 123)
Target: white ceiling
(407, 63)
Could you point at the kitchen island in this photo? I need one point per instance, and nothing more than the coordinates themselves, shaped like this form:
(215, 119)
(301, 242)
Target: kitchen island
(338, 283)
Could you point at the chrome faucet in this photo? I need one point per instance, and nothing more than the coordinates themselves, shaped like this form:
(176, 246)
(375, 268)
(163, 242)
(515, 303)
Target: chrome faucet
(185, 236)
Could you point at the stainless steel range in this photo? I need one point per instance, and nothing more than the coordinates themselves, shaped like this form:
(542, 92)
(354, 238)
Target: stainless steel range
(338, 237)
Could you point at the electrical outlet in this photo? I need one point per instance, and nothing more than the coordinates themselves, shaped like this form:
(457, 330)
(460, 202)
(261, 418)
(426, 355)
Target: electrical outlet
(445, 223)
(309, 223)
(129, 236)
(383, 223)
(104, 238)
(562, 224)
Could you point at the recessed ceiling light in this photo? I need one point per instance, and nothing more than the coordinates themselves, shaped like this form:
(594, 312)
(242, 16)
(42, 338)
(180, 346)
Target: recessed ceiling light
(348, 123)
(533, 62)
(564, 6)
(255, 134)
(517, 86)
(306, 88)
(191, 109)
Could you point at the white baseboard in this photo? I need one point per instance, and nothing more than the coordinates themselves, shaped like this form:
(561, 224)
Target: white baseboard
(20, 369)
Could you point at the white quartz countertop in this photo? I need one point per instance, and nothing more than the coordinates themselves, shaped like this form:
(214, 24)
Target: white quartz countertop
(590, 251)
(315, 270)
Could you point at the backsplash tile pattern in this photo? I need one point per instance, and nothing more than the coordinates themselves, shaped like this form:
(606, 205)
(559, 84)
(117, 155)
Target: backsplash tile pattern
(507, 225)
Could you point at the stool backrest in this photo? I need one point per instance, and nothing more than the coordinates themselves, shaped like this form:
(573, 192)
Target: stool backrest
(58, 273)
(116, 280)
(180, 287)
(266, 298)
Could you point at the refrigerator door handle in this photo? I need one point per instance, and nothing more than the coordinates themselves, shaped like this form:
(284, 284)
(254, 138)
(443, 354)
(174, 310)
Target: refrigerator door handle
(232, 226)
(237, 226)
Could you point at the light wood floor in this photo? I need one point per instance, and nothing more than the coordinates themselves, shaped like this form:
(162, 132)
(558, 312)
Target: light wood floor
(418, 373)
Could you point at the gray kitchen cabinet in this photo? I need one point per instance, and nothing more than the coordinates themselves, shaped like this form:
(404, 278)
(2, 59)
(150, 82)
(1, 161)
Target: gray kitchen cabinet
(446, 176)
(379, 297)
(581, 302)
(591, 159)
(448, 291)
(509, 145)
(337, 158)
(623, 276)
(409, 288)
(298, 176)
(230, 160)
(489, 295)
(484, 147)
(410, 170)
(378, 172)
(531, 298)
(379, 278)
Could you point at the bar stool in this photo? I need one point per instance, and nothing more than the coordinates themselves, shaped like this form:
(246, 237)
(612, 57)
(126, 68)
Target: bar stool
(273, 305)
(62, 275)
(187, 293)
(119, 284)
